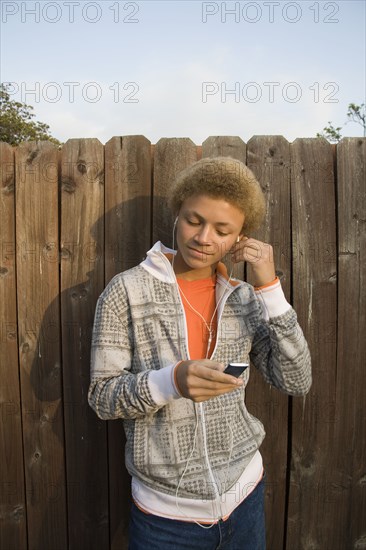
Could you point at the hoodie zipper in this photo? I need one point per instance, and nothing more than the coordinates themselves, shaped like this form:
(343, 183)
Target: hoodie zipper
(217, 499)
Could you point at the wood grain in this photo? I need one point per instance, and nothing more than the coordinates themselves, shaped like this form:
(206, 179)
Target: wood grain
(12, 495)
(269, 159)
(347, 479)
(315, 301)
(82, 281)
(127, 239)
(171, 155)
(39, 343)
(224, 146)
(64, 235)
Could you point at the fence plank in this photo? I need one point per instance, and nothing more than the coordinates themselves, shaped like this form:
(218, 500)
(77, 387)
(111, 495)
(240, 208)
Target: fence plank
(82, 280)
(128, 202)
(39, 343)
(314, 298)
(348, 481)
(224, 146)
(127, 239)
(12, 493)
(269, 159)
(233, 147)
(327, 477)
(171, 155)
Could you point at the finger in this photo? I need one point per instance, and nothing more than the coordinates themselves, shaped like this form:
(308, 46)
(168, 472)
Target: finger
(246, 242)
(251, 250)
(216, 376)
(213, 371)
(247, 254)
(243, 241)
(213, 365)
(210, 365)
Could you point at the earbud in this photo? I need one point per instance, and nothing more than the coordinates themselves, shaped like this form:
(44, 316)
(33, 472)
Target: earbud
(174, 226)
(238, 239)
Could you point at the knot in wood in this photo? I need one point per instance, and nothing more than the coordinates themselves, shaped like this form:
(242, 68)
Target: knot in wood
(362, 480)
(68, 185)
(81, 167)
(9, 186)
(32, 156)
(65, 254)
(18, 512)
(25, 348)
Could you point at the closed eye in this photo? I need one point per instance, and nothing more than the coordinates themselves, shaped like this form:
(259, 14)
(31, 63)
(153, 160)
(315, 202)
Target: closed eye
(198, 223)
(191, 222)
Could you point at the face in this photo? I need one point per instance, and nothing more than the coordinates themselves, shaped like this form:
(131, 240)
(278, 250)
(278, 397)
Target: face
(207, 228)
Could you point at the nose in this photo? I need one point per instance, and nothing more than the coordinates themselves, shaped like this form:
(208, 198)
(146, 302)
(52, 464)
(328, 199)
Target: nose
(203, 235)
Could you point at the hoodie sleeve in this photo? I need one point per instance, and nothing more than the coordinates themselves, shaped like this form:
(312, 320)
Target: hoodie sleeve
(279, 349)
(115, 391)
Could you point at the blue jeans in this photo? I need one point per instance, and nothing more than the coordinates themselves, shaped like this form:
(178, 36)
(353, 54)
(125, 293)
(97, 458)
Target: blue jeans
(243, 530)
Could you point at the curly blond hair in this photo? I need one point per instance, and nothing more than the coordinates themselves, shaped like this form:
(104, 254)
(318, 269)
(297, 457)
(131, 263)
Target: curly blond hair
(224, 178)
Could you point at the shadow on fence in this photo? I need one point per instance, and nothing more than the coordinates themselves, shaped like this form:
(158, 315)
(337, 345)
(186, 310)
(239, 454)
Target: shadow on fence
(72, 219)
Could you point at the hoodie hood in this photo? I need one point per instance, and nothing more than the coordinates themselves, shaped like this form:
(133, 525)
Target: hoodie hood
(158, 264)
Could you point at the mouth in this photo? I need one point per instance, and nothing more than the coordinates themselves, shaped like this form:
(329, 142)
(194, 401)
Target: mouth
(197, 252)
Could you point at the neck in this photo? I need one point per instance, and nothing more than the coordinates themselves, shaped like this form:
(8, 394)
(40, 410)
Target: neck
(183, 271)
(195, 274)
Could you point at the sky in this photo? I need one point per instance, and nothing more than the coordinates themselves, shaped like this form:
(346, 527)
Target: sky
(186, 68)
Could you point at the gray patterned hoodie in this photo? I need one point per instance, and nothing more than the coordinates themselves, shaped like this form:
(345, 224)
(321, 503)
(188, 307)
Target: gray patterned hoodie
(139, 336)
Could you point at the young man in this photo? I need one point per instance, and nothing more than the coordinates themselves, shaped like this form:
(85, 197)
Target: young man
(164, 332)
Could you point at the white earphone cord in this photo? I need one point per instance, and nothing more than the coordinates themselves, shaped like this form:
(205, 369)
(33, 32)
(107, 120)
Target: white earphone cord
(209, 328)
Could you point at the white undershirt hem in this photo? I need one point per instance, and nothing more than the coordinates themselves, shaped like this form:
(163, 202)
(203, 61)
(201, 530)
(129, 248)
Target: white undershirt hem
(205, 511)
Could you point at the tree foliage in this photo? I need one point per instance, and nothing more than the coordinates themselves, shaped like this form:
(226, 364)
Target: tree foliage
(17, 124)
(331, 133)
(355, 113)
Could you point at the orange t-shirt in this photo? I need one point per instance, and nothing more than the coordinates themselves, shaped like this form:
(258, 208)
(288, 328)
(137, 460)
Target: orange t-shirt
(201, 296)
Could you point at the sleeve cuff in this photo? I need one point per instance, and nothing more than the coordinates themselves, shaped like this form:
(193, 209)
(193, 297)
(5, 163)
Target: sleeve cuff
(162, 386)
(275, 280)
(272, 299)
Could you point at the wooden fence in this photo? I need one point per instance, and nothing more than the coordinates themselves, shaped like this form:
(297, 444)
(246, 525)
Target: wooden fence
(70, 220)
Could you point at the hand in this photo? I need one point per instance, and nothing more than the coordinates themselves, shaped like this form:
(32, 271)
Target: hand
(260, 257)
(203, 379)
